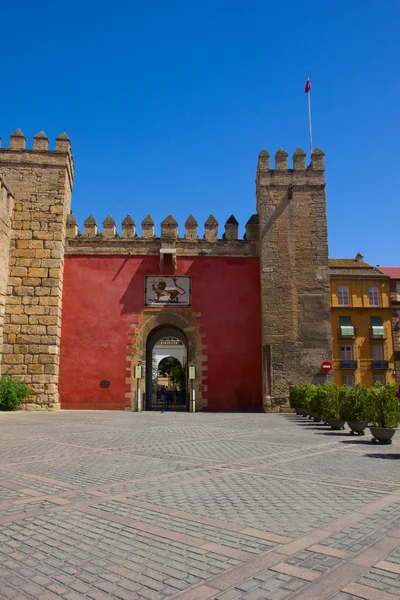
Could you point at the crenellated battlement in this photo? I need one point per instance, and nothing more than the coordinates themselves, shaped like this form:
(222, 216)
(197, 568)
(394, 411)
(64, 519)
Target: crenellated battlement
(39, 155)
(299, 177)
(299, 174)
(298, 161)
(169, 228)
(109, 239)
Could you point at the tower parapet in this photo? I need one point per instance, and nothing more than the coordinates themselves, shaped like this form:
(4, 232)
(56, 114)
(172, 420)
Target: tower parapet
(299, 160)
(17, 140)
(317, 160)
(63, 143)
(41, 142)
(281, 160)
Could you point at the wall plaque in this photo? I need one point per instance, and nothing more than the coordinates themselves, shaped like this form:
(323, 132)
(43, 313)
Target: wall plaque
(167, 290)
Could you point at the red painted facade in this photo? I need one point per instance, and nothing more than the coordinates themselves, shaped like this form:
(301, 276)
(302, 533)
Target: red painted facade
(103, 294)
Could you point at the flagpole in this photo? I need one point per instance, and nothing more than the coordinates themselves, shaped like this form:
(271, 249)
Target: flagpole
(309, 117)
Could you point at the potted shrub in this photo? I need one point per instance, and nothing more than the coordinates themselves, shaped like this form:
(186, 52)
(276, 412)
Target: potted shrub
(317, 396)
(299, 398)
(354, 409)
(306, 392)
(295, 400)
(12, 393)
(384, 412)
(333, 398)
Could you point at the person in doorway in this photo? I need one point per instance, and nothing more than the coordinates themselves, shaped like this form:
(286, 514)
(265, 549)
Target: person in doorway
(162, 396)
(174, 390)
(169, 395)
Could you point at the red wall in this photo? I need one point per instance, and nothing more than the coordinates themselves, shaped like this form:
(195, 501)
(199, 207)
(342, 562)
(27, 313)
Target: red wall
(101, 295)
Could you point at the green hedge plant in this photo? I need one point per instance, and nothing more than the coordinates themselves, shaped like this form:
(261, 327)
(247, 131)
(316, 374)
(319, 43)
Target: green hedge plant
(383, 406)
(332, 400)
(12, 393)
(355, 404)
(317, 399)
(300, 396)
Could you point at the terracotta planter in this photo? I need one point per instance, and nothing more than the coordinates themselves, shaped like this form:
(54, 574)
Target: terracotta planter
(357, 427)
(336, 423)
(382, 434)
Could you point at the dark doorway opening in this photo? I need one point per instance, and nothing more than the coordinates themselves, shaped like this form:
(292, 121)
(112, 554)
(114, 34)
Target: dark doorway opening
(166, 370)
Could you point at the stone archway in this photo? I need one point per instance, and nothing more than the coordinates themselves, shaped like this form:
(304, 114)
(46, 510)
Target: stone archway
(153, 338)
(170, 349)
(183, 319)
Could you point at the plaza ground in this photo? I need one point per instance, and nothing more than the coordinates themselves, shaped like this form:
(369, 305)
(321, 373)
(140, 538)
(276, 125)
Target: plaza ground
(115, 505)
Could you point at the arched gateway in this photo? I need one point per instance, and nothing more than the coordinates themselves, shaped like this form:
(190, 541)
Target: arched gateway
(179, 398)
(154, 325)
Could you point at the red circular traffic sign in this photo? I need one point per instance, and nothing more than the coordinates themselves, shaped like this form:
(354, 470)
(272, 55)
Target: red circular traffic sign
(326, 366)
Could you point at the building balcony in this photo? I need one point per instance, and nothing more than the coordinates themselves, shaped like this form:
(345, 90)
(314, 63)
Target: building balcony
(348, 364)
(380, 364)
(394, 298)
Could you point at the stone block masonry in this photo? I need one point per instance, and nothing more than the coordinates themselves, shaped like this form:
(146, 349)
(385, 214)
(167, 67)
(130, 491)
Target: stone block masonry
(6, 208)
(41, 180)
(294, 272)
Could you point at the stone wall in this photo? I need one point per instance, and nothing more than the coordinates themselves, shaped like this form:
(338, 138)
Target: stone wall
(41, 180)
(294, 273)
(6, 208)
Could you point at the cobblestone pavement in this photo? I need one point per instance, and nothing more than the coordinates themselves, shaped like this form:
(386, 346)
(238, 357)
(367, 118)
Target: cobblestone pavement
(113, 505)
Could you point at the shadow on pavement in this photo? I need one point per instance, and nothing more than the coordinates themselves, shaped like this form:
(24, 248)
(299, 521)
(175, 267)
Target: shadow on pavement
(358, 440)
(387, 456)
(333, 432)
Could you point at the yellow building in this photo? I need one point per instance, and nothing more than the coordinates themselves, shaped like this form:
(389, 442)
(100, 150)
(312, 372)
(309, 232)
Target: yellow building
(362, 338)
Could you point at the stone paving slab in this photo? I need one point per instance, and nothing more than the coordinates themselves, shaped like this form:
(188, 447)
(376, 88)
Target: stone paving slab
(113, 505)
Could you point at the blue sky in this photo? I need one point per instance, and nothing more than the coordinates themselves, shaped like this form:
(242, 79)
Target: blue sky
(168, 104)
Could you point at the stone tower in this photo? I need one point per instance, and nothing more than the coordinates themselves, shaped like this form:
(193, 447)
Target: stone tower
(296, 325)
(41, 181)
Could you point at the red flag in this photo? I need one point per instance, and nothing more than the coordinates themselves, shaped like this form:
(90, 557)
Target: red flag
(308, 86)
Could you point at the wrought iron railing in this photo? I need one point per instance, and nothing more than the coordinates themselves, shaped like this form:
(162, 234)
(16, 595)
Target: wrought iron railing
(348, 364)
(380, 364)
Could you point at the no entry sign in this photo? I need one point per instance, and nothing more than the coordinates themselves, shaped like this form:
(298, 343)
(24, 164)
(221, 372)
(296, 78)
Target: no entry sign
(326, 366)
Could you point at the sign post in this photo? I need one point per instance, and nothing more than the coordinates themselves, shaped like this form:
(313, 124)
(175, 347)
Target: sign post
(192, 377)
(326, 367)
(138, 377)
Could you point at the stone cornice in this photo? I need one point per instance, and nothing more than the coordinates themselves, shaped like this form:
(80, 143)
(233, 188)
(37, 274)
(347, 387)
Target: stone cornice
(145, 247)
